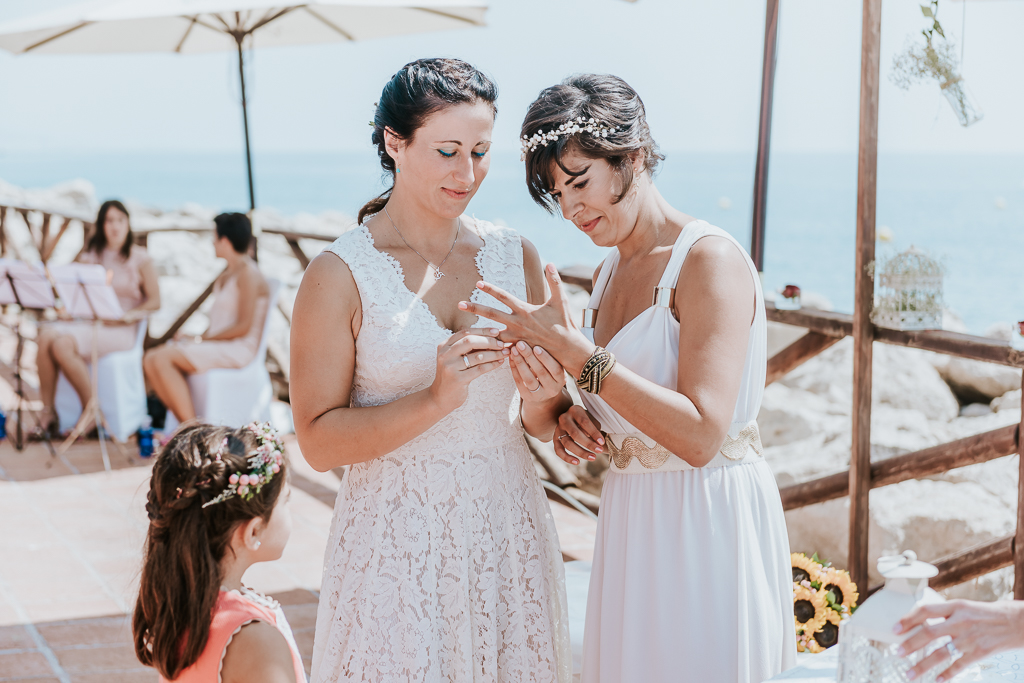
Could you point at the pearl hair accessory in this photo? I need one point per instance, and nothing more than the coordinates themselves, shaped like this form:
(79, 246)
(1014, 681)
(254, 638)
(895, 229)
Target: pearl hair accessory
(264, 463)
(570, 127)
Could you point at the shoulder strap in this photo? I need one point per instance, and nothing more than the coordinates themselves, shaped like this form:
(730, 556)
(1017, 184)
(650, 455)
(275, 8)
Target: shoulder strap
(690, 233)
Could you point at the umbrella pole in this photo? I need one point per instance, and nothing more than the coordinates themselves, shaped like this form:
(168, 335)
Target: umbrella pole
(245, 121)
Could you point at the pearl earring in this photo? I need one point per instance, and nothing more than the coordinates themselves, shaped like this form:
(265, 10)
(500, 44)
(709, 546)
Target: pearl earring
(258, 544)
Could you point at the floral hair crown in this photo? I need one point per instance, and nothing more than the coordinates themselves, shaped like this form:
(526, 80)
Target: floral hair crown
(264, 463)
(570, 127)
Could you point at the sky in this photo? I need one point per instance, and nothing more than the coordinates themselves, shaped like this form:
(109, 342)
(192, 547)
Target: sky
(696, 64)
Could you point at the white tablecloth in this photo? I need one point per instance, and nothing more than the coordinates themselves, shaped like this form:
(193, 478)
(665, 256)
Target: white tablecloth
(821, 668)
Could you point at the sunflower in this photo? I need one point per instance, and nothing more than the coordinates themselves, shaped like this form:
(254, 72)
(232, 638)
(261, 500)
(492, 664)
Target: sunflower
(812, 645)
(828, 634)
(843, 589)
(809, 608)
(804, 568)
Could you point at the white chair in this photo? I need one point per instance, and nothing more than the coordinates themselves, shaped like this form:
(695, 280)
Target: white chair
(121, 390)
(234, 397)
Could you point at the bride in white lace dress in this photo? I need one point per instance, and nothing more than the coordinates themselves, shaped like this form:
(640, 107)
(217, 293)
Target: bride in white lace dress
(442, 562)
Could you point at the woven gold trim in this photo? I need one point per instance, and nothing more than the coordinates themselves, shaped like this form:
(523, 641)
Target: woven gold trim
(736, 449)
(632, 447)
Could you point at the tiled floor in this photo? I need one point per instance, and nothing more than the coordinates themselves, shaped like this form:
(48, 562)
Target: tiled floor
(70, 540)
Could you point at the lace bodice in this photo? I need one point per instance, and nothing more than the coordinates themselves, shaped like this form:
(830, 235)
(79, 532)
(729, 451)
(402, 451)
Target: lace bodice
(442, 562)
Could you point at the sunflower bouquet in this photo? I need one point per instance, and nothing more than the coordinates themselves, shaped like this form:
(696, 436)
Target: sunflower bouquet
(823, 597)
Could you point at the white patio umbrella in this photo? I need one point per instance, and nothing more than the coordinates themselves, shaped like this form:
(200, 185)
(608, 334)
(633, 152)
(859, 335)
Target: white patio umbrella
(193, 26)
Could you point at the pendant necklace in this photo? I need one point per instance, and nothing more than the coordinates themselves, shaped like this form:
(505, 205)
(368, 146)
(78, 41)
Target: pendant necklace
(437, 269)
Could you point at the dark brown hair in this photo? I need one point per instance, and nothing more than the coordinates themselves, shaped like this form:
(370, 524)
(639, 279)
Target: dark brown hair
(611, 102)
(419, 89)
(98, 241)
(181, 572)
(237, 228)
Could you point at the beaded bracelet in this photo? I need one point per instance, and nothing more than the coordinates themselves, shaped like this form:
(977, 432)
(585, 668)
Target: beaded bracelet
(597, 367)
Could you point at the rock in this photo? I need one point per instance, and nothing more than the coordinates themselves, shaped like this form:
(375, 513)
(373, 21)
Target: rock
(1010, 401)
(975, 410)
(902, 378)
(978, 382)
(1000, 331)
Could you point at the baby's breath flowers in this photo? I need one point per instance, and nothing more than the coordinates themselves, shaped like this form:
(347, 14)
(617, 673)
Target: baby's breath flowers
(264, 463)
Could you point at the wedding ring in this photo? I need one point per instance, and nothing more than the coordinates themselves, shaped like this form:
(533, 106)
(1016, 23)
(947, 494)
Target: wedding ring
(953, 650)
(465, 359)
(562, 436)
(539, 387)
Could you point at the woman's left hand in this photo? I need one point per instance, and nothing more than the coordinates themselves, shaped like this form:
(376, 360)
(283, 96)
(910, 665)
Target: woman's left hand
(977, 629)
(538, 376)
(548, 325)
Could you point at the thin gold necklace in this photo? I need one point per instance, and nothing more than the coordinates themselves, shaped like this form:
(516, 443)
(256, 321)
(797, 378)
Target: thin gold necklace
(437, 269)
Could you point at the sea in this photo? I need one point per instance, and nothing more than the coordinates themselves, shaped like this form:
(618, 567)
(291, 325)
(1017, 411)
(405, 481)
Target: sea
(965, 210)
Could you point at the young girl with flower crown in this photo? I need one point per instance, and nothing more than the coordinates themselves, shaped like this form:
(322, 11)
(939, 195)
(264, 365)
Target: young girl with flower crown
(217, 505)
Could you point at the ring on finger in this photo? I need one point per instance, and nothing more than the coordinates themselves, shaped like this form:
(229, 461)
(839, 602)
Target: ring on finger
(953, 650)
(539, 387)
(562, 436)
(465, 359)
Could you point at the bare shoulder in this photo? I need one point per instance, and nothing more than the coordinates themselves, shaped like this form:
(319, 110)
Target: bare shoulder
(717, 271)
(327, 285)
(258, 653)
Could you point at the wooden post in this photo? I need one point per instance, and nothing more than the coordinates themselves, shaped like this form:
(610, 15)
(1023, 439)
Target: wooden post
(3, 232)
(864, 289)
(1018, 550)
(764, 134)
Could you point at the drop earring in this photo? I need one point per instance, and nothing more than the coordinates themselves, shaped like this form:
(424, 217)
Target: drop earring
(398, 169)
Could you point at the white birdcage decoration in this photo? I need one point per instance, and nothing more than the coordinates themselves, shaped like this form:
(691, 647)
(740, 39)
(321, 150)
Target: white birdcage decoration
(909, 294)
(867, 644)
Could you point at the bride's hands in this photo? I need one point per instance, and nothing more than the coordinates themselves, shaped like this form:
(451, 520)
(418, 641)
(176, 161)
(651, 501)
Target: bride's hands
(538, 376)
(578, 435)
(548, 326)
(465, 356)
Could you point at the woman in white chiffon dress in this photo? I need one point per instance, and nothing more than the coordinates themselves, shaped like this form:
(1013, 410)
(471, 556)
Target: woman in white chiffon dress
(691, 577)
(442, 563)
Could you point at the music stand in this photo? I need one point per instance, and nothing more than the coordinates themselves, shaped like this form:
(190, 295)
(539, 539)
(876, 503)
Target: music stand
(28, 288)
(87, 296)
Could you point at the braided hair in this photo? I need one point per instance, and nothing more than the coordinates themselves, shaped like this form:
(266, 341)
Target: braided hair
(181, 570)
(419, 89)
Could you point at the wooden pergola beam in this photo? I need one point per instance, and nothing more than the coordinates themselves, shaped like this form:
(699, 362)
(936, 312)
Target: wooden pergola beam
(764, 134)
(864, 288)
(972, 563)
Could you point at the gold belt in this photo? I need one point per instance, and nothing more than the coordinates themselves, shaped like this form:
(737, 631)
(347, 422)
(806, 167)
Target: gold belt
(653, 457)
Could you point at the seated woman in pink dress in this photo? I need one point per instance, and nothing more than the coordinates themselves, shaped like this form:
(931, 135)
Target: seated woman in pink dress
(240, 301)
(66, 346)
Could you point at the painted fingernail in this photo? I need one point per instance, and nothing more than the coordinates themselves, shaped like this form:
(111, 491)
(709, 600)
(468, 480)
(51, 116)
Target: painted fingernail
(495, 330)
(537, 350)
(521, 345)
(463, 305)
(901, 651)
(897, 628)
(598, 450)
(911, 675)
(591, 458)
(481, 284)
(504, 352)
(600, 440)
(515, 351)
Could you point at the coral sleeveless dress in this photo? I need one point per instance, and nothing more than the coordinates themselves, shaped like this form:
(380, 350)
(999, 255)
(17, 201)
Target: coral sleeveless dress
(691, 577)
(235, 609)
(442, 564)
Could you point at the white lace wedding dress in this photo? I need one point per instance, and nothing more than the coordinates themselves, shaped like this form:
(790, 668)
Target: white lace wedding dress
(442, 562)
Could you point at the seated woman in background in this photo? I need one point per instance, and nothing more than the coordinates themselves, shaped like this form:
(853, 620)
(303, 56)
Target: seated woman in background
(67, 346)
(240, 301)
